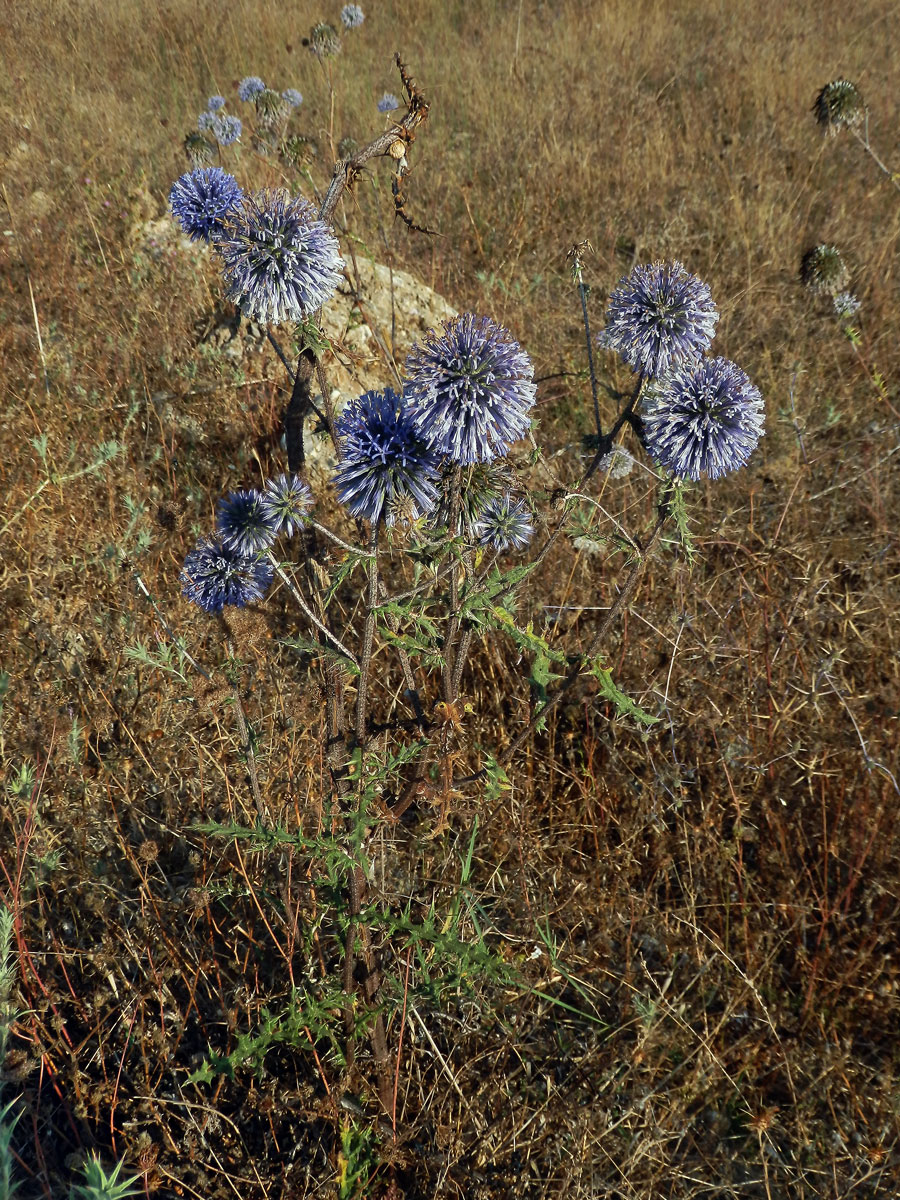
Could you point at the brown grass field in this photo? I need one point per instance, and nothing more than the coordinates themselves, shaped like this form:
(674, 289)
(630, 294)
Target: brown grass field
(718, 1015)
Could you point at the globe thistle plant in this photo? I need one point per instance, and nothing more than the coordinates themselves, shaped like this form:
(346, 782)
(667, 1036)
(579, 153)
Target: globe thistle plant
(249, 87)
(296, 149)
(388, 103)
(324, 41)
(658, 317)
(280, 262)
(204, 201)
(705, 418)
(617, 463)
(505, 524)
(824, 271)
(215, 575)
(471, 390)
(846, 305)
(214, 103)
(245, 522)
(352, 16)
(468, 492)
(199, 149)
(288, 500)
(271, 108)
(292, 97)
(387, 468)
(839, 106)
(206, 122)
(227, 130)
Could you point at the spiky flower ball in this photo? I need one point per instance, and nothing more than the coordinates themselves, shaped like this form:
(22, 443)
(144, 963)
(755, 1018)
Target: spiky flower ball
(214, 103)
(839, 106)
(386, 468)
(296, 149)
(292, 97)
(324, 40)
(204, 201)
(388, 103)
(470, 390)
(659, 316)
(846, 305)
(250, 86)
(617, 463)
(280, 262)
(271, 108)
(288, 500)
(352, 16)
(199, 150)
(468, 492)
(245, 522)
(705, 418)
(505, 523)
(824, 271)
(206, 122)
(227, 130)
(215, 575)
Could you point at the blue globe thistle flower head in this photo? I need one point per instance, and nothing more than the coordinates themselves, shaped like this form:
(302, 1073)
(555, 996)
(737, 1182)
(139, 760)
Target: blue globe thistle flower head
(244, 522)
(388, 103)
(504, 524)
(227, 130)
(658, 317)
(387, 469)
(214, 103)
(203, 202)
(280, 262)
(617, 463)
(206, 122)
(288, 500)
(215, 575)
(705, 418)
(470, 390)
(352, 16)
(249, 86)
(846, 305)
(292, 97)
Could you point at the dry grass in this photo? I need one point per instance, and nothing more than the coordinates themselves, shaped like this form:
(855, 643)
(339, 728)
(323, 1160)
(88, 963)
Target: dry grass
(724, 894)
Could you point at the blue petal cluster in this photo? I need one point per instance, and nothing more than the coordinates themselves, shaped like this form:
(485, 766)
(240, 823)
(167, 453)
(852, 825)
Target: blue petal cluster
(245, 522)
(204, 201)
(280, 262)
(249, 86)
(846, 305)
(214, 103)
(352, 16)
(289, 500)
(471, 390)
(227, 130)
(388, 103)
(505, 523)
(658, 317)
(386, 465)
(705, 418)
(215, 575)
(292, 97)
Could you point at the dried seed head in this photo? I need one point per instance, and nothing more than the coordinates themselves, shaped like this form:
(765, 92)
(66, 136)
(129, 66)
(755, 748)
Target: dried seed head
(324, 40)
(839, 106)
(199, 150)
(824, 271)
